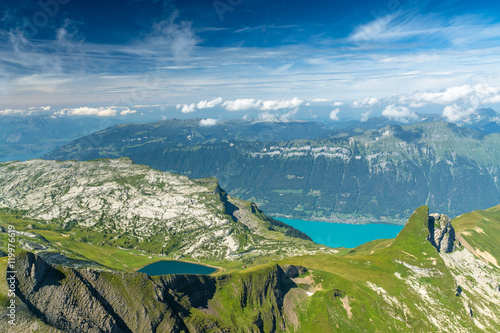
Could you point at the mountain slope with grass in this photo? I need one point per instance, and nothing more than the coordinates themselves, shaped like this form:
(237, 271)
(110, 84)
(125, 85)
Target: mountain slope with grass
(423, 280)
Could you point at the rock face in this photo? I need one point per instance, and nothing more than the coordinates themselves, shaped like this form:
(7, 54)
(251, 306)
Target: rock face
(75, 300)
(441, 233)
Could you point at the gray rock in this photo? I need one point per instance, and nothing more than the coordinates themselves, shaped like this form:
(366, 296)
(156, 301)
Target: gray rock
(441, 233)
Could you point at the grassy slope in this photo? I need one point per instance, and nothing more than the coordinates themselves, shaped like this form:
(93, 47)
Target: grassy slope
(481, 229)
(324, 310)
(351, 272)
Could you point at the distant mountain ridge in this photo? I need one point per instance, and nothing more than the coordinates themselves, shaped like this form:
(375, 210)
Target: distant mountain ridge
(369, 175)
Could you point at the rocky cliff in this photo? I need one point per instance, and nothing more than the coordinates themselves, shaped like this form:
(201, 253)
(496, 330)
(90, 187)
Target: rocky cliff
(441, 233)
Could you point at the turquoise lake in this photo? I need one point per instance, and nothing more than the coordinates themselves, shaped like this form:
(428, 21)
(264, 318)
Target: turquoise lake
(23, 157)
(344, 235)
(175, 267)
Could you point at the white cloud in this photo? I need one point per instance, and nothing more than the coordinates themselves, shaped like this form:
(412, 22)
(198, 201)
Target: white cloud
(127, 111)
(366, 115)
(8, 112)
(459, 101)
(399, 113)
(450, 95)
(455, 113)
(375, 29)
(267, 116)
(338, 103)
(46, 108)
(367, 102)
(241, 104)
(283, 104)
(320, 100)
(208, 122)
(403, 25)
(178, 37)
(209, 104)
(493, 99)
(417, 104)
(334, 114)
(185, 108)
(88, 111)
(244, 104)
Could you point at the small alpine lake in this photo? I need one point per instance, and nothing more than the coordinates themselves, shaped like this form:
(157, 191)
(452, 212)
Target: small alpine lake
(164, 267)
(342, 234)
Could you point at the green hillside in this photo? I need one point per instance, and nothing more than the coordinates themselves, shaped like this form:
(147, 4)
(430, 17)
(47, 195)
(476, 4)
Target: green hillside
(401, 285)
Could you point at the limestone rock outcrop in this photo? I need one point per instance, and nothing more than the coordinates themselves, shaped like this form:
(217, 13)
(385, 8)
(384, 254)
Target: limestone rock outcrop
(441, 233)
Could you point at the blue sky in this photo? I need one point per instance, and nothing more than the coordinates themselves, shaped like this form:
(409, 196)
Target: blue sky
(249, 58)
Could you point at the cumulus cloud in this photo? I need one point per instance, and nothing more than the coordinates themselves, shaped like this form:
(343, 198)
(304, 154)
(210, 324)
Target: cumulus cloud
(127, 111)
(459, 101)
(102, 111)
(455, 113)
(185, 108)
(399, 113)
(10, 112)
(281, 104)
(480, 92)
(208, 122)
(209, 104)
(267, 116)
(338, 103)
(334, 114)
(88, 111)
(320, 100)
(367, 102)
(242, 104)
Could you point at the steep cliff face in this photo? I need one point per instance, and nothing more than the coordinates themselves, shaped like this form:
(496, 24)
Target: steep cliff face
(75, 300)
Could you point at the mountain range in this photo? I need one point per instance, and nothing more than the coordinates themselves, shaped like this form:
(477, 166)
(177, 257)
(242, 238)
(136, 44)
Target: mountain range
(436, 275)
(362, 175)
